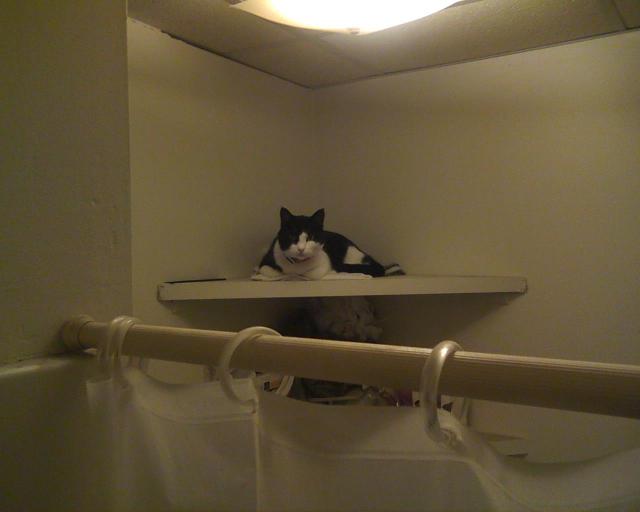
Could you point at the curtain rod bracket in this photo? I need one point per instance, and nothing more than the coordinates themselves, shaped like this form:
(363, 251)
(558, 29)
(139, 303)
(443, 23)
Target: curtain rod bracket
(71, 332)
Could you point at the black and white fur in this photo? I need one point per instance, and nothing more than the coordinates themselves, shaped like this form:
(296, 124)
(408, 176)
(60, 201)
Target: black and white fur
(303, 248)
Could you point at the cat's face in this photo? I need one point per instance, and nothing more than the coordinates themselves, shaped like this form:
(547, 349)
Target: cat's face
(300, 237)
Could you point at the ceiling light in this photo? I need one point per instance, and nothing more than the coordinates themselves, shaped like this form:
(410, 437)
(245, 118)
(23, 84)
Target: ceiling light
(350, 16)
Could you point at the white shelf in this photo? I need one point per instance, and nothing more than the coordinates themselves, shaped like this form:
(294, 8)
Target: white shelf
(393, 285)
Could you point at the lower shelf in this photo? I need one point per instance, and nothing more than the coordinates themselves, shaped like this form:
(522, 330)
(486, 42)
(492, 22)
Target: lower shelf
(393, 285)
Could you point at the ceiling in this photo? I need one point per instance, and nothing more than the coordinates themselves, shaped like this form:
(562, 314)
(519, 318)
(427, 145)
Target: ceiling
(468, 30)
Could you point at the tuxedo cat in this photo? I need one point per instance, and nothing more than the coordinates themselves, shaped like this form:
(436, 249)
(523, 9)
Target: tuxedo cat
(303, 248)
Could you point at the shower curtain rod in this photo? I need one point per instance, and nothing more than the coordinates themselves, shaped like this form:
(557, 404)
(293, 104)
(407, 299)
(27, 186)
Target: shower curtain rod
(601, 388)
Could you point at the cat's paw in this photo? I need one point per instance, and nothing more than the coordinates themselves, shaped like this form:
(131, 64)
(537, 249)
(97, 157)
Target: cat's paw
(268, 271)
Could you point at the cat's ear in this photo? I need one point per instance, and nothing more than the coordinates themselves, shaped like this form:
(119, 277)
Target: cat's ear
(318, 218)
(285, 216)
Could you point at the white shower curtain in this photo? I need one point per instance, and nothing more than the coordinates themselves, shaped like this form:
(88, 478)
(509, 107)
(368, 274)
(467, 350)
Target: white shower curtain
(174, 447)
(356, 458)
(187, 448)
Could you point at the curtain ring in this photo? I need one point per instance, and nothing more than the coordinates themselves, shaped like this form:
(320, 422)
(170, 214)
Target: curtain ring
(110, 350)
(224, 374)
(429, 381)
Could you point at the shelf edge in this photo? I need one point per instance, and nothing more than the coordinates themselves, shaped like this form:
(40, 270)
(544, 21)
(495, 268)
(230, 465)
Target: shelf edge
(395, 285)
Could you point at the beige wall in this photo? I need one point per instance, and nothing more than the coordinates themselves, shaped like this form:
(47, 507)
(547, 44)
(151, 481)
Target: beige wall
(527, 164)
(216, 149)
(64, 171)
(520, 165)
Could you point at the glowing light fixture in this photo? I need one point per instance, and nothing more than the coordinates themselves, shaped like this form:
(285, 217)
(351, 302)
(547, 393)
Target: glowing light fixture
(350, 16)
